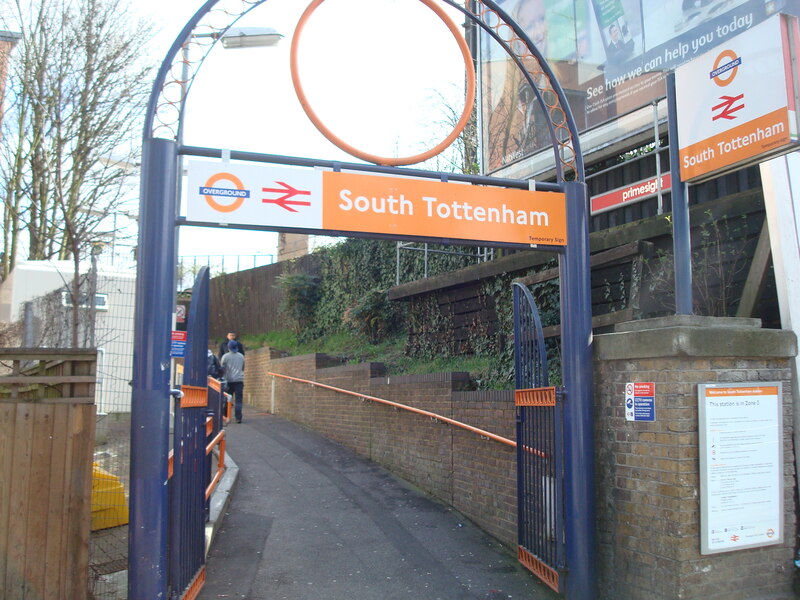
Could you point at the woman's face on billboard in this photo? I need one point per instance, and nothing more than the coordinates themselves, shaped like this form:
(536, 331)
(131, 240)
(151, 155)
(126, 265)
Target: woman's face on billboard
(531, 17)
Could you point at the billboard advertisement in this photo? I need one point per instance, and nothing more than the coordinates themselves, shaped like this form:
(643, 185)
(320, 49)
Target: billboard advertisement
(611, 57)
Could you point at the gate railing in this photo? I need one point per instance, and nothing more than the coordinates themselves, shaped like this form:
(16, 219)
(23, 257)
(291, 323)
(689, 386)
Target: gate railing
(540, 476)
(199, 415)
(187, 493)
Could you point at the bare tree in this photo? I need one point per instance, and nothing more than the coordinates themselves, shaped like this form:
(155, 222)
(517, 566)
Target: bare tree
(77, 89)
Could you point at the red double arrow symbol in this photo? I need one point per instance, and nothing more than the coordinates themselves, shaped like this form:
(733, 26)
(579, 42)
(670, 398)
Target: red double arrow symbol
(288, 192)
(727, 107)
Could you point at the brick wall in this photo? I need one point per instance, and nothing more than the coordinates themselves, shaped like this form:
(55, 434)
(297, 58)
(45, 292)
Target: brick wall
(647, 473)
(648, 477)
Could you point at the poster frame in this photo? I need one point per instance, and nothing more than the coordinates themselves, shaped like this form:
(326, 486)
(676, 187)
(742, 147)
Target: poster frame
(703, 431)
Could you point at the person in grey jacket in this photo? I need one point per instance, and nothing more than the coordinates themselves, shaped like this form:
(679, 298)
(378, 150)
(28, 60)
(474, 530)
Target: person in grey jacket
(233, 366)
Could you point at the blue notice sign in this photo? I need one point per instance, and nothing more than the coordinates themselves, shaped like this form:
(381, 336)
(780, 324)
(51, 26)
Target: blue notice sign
(178, 344)
(640, 401)
(644, 408)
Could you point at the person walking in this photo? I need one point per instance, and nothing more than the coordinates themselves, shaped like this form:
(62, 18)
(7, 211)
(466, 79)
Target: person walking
(233, 367)
(223, 347)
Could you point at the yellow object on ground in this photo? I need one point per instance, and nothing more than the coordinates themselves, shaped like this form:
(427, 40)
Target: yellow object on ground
(109, 505)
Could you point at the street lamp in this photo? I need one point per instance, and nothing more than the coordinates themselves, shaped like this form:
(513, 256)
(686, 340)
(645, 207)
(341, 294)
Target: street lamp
(242, 37)
(233, 37)
(250, 37)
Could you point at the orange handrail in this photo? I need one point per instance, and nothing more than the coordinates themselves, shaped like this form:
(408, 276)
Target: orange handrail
(219, 439)
(419, 411)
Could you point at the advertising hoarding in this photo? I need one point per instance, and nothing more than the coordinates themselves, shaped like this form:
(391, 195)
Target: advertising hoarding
(610, 56)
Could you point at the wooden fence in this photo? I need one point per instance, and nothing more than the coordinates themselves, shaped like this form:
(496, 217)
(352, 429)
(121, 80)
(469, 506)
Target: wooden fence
(47, 422)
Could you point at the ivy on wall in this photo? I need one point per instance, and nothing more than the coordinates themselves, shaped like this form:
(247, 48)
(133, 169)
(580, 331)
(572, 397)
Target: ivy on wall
(350, 293)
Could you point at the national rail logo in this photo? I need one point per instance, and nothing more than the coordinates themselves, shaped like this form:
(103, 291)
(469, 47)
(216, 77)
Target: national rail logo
(212, 194)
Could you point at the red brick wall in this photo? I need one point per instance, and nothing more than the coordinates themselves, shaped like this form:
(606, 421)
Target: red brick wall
(648, 473)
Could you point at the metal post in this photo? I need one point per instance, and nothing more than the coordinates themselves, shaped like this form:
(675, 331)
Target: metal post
(681, 233)
(155, 285)
(576, 337)
(657, 146)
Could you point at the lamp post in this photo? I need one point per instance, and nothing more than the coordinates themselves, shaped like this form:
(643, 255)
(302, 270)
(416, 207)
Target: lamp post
(155, 299)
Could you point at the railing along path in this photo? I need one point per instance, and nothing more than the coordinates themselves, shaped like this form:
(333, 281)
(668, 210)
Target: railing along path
(482, 432)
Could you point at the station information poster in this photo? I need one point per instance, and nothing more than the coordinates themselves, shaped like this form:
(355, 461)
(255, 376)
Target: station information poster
(741, 466)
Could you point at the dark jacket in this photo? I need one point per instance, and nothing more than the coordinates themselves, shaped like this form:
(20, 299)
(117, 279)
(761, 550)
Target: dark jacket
(213, 365)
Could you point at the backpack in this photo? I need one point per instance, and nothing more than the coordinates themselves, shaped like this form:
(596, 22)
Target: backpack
(214, 368)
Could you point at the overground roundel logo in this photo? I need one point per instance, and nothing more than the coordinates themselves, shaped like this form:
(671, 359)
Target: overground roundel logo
(212, 193)
(729, 68)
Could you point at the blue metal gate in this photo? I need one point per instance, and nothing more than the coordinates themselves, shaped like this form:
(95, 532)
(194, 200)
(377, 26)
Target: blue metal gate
(197, 427)
(540, 452)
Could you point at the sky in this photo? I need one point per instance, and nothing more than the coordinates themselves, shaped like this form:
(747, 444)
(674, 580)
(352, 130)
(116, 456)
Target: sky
(375, 72)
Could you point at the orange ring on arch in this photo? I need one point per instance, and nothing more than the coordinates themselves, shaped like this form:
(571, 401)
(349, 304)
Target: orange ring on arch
(725, 54)
(373, 158)
(223, 207)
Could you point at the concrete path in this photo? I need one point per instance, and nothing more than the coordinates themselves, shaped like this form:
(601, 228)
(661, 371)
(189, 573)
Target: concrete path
(309, 520)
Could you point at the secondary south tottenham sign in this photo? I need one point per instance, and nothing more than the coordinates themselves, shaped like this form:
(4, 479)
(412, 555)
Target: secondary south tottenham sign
(737, 103)
(314, 199)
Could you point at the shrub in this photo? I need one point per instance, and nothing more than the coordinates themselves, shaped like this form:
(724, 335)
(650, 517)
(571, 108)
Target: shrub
(373, 315)
(301, 292)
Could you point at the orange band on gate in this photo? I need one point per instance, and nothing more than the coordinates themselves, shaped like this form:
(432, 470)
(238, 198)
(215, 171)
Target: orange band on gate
(535, 397)
(194, 396)
(374, 158)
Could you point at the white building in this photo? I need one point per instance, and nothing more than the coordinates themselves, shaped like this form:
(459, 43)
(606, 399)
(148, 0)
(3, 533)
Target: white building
(36, 293)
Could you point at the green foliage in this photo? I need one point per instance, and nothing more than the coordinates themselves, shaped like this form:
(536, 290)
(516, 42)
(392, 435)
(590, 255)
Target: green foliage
(615, 293)
(547, 295)
(300, 296)
(355, 275)
(501, 347)
(350, 271)
(345, 312)
(351, 347)
(373, 315)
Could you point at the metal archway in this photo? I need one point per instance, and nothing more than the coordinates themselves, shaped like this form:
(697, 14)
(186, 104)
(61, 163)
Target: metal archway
(156, 284)
(164, 117)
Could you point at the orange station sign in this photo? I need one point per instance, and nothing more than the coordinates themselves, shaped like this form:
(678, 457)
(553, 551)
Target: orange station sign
(345, 202)
(413, 207)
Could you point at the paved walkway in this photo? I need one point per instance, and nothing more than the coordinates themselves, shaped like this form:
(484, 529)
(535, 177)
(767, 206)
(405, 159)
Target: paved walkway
(309, 520)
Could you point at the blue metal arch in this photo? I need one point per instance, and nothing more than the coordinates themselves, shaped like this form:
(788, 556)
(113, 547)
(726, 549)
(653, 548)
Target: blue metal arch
(155, 303)
(571, 145)
(530, 354)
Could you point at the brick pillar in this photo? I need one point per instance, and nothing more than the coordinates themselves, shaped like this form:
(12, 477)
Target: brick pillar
(648, 472)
